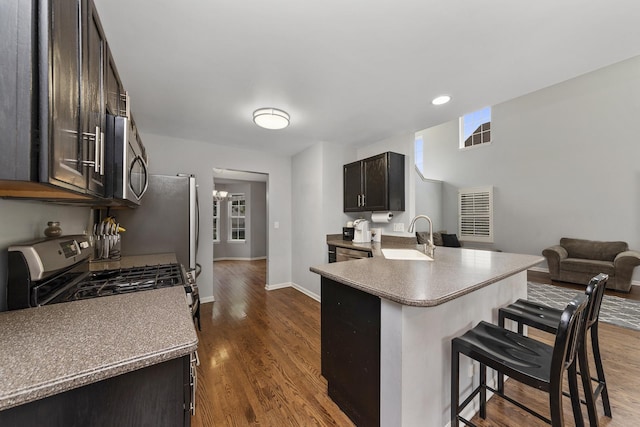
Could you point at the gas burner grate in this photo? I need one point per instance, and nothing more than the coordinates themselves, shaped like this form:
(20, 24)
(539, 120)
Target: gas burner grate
(125, 280)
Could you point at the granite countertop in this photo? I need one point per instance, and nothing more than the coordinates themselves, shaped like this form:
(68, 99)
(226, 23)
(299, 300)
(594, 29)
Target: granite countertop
(453, 272)
(133, 261)
(54, 348)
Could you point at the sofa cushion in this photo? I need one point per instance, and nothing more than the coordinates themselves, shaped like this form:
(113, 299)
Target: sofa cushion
(592, 249)
(589, 266)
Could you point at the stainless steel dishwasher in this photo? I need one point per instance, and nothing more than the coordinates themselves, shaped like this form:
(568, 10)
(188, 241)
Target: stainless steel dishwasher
(344, 254)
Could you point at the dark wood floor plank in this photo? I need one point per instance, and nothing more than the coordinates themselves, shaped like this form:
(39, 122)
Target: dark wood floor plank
(260, 355)
(260, 361)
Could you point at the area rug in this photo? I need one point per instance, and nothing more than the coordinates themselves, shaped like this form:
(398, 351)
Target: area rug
(615, 310)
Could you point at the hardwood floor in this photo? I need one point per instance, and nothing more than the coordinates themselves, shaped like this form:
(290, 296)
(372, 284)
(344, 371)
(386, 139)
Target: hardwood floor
(260, 355)
(260, 362)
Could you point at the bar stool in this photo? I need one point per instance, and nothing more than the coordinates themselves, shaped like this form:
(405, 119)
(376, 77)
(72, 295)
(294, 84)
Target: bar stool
(525, 360)
(546, 319)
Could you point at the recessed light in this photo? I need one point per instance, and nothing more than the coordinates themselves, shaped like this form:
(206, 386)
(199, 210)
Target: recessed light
(271, 118)
(442, 99)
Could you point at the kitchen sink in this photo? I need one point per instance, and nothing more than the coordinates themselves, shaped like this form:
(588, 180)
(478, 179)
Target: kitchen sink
(407, 254)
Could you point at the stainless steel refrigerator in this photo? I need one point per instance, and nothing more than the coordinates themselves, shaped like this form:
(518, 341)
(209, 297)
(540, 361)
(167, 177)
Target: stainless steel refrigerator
(167, 220)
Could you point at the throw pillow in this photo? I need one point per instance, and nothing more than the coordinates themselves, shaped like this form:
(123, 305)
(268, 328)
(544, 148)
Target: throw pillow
(437, 237)
(450, 241)
(422, 236)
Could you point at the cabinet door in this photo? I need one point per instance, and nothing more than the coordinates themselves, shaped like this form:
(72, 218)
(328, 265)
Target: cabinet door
(65, 146)
(375, 183)
(93, 103)
(157, 395)
(352, 191)
(113, 87)
(350, 350)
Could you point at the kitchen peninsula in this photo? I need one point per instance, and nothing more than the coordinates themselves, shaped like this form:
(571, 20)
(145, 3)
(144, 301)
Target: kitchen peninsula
(387, 327)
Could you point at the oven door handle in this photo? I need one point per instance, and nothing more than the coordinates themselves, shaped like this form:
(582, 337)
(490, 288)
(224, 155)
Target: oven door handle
(195, 362)
(36, 299)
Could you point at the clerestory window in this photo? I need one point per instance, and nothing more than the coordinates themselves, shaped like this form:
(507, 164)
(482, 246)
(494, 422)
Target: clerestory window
(475, 128)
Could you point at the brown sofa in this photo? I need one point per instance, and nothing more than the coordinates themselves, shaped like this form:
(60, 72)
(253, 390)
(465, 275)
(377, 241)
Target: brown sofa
(578, 260)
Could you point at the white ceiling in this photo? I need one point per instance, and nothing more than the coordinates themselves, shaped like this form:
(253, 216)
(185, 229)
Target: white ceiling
(348, 71)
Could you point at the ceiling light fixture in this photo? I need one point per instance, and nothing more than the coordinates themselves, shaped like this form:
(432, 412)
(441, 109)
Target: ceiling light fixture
(442, 99)
(220, 195)
(271, 118)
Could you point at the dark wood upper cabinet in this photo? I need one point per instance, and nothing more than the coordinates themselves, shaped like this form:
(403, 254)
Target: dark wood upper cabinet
(93, 120)
(62, 120)
(352, 187)
(63, 82)
(374, 184)
(75, 119)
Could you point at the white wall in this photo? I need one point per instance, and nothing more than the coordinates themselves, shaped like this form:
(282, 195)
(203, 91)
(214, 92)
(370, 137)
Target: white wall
(26, 220)
(564, 161)
(428, 201)
(172, 155)
(317, 197)
(316, 191)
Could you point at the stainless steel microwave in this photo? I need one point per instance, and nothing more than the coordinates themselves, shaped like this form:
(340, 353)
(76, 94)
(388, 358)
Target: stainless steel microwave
(129, 176)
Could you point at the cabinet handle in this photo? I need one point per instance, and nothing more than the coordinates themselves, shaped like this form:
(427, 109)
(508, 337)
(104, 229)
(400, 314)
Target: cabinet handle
(95, 137)
(102, 153)
(363, 203)
(124, 97)
(96, 153)
(359, 200)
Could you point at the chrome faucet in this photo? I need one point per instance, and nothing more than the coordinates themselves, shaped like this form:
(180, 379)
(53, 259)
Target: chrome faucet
(429, 248)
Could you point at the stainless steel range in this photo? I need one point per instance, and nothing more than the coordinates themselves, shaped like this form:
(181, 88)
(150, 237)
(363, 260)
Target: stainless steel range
(57, 270)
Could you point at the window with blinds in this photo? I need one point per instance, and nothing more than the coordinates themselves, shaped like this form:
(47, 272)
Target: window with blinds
(476, 214)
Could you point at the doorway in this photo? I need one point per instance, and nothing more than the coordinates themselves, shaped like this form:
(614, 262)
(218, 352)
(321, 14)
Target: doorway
(240, 219)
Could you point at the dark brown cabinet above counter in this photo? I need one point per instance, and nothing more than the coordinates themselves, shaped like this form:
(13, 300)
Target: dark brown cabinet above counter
(374, 184)
(59, 81)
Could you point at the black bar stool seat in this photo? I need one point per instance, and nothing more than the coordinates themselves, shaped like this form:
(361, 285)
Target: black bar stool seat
(529, 313)
(547, 319)
(525, 360)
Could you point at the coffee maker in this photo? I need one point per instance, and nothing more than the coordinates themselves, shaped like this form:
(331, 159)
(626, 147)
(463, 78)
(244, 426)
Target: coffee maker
(361, 233)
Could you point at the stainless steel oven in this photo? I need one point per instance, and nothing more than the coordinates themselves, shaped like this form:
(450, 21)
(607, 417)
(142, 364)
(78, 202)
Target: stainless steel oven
(129, 178)
(56, 270)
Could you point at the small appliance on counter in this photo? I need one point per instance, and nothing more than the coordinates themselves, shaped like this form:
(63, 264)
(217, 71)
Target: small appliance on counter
(347, 233)
(361, 233)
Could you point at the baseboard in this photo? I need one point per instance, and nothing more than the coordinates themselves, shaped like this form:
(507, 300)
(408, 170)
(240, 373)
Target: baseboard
(278, 286)
(204, 300)
(306, 291)
(546, 270)
(239, 259)
(295, 286)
